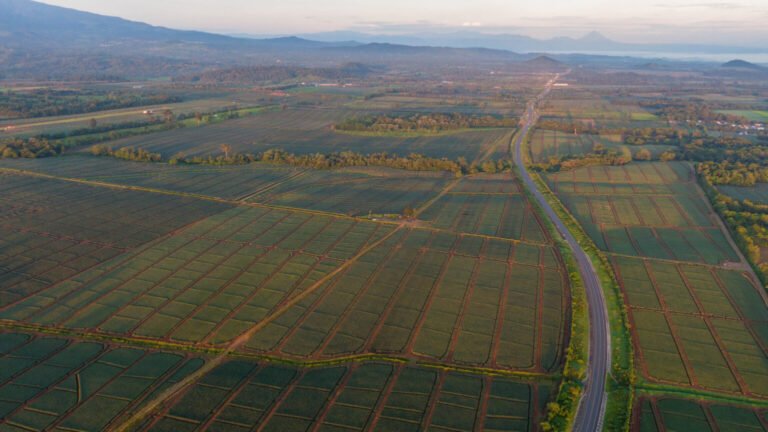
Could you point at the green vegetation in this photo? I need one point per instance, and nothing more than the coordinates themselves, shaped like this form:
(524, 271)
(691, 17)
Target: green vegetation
(48, 102)
(423, 123)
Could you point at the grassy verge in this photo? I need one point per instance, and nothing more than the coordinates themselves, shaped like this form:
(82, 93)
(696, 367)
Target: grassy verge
(622, 376)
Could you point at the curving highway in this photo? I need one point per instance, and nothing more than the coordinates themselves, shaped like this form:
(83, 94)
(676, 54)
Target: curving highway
(591, 411)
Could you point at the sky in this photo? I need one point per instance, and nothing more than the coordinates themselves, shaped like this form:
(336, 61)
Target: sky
(727, 22)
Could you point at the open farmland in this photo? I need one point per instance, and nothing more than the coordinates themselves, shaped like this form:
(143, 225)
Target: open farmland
(757, 194)
(546, 144)
(697, 316)
(651, 210)
(53, 230)
(64, 124)
(212, 280)
(50, 383)
(309, 131)
(489, 205)
(697, 326)
(357, 191)
(243, 396)
(434, 296)
(668, 414)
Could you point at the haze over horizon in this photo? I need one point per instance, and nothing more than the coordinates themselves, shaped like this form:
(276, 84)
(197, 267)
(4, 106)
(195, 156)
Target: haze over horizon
(735, 23)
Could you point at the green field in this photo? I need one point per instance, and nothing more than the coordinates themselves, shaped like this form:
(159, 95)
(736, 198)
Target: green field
(51, 383)
(548, 143)
(751, 115)
(668, 414)
(697, 316)
(308, 131)
(352, 191)
(757, 194)
(241, 396)
(650, 210)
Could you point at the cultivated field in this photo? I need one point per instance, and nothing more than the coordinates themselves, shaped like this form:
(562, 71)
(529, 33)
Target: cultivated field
(358, 191)
(53, 230)
(696, 314)
(49, 383)
(309, 131)
(549, 143)
(489, 205)
(651, 210)
(434, 296)
(64, 124)
(243, 396)
(697, 326)
(668, 414)
(757, 194)
(210, 281)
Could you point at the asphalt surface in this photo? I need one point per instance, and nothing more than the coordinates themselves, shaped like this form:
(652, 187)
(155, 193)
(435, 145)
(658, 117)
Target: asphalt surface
(591, 411)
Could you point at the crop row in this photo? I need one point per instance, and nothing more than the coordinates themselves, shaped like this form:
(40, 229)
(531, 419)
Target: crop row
(507, 215)
(243, 396)
(56, 384)
(209, 282)
(52, 230)
(697, 326)
(436, 296)
(668, 414)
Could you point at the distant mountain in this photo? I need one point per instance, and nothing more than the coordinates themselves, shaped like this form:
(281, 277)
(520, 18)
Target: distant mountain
(591, 42)
(740, 69)
(741, 64)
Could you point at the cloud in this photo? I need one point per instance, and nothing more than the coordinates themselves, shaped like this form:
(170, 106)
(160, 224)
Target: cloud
(472, 24)
(718, 6)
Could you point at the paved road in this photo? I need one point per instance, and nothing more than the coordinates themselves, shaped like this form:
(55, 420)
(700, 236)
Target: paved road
(591, 412)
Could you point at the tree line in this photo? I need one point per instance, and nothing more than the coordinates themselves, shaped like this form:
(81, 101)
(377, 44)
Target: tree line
(411, 162)
(432, 123)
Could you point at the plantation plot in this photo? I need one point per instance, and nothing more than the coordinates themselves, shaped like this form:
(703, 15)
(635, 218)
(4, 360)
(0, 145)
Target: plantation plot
(69, 123)
(308, 131)
(757, 194)
(243, 396)
(549, 143)
(696, 325)
(355, 193)
(648, 210)
(487, 205)
(207, 283)
(55, 384)
(436, 296)
(231, 182)
(668, 414)
(52, 230)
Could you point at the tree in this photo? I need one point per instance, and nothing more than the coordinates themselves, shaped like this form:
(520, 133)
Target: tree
(93, 123)
(409, 213)
(227, 149)
(643, 155)
(168, 116)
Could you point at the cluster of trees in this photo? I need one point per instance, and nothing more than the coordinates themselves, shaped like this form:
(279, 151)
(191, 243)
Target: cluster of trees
(732, 149)
(276, 74)
(599, 156)
(748, 223)
(572, 127)
(653, 136)
(127, 153)
(432, 123)
(733, 173)
(49, 102)
(689, 111)
(412, 162)
(11, 148)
